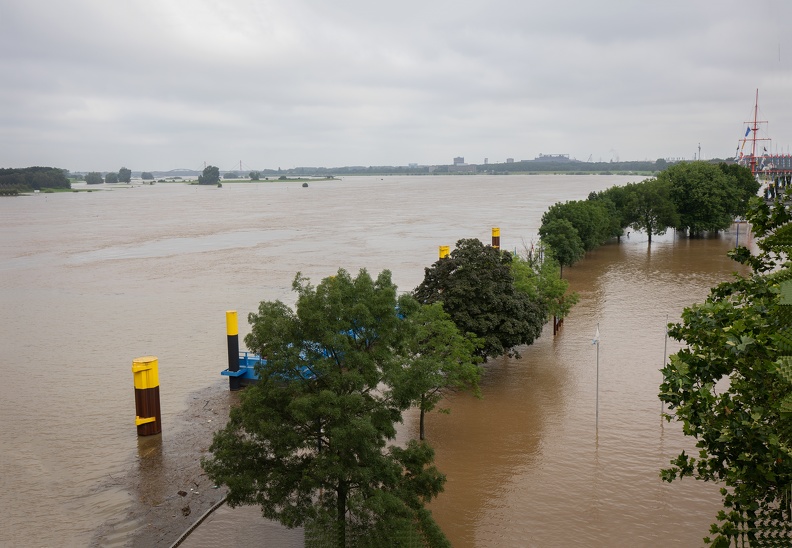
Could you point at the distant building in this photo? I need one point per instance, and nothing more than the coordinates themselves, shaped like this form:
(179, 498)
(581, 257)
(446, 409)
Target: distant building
(553, 157)
(459, 161)
(412, 165)
(486, 161)
(509, 160)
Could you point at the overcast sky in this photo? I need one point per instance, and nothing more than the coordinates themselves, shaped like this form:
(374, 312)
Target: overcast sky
(163, 84)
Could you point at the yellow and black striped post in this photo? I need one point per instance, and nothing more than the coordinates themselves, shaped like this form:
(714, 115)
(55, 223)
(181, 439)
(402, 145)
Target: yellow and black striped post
(444, 251)
(496, 237)
(232, 330)
(145, 372)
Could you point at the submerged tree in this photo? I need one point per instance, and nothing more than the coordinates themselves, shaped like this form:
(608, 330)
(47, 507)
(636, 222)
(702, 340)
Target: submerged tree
(309, 441)
(210, 176)
(730, 387)
(651, 207)
(442, 360)
(476, 286)
(563, 239)
(538, 275)
(705, 198)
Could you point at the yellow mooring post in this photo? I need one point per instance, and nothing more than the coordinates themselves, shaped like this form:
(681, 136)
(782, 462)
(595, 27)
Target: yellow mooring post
(444, 251)
(496, 237)
(232, 330)
(148, 419)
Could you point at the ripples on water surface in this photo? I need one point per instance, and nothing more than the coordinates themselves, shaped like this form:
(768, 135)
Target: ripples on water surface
(90, 281)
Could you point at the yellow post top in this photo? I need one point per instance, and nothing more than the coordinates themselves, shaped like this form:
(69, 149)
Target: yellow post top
(232, 326)
(444, 251)
(495, 232)
(145, 371)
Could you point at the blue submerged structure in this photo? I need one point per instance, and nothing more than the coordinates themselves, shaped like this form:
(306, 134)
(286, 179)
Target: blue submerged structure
(245, 371)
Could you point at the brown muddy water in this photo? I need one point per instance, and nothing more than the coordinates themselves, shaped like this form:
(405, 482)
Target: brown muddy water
(90, 281)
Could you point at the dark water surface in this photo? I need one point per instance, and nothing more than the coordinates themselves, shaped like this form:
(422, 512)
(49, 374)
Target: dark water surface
(90, 281)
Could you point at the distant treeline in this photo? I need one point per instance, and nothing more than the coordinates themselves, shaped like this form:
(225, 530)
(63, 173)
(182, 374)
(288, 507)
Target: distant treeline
(15, 180)
(523, 166)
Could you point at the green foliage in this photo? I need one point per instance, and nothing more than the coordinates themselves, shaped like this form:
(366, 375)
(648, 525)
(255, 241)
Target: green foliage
(538, 275)
(111, 178)
(560, 236)
(147, 176)
(740, 334)
(619, 196)
(94, 178)
(476, 286)
(210, 176)
(441, 359)
(746, 183)
(255, 175)
(592, 219)
(315, 450)
(651, 208)
(231, 175)
(124, 175)
(33, 178)
(706, 199)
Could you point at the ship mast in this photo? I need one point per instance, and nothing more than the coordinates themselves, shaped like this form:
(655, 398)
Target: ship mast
(754, 130)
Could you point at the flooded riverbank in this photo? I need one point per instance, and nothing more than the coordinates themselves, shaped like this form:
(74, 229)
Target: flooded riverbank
(91, 281)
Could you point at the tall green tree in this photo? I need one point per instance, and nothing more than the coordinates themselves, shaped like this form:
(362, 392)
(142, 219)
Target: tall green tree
(746, 183)
(651, 207)
(94, 178)
(255, 175)
(730, 389)
(147, 176)
(442, 360)
(210, 176)
(705, 198)
(476, 286)
(593, 220)
(124, 175)
(111, 178)
(623, 213)
(309, 442)
(562, 238)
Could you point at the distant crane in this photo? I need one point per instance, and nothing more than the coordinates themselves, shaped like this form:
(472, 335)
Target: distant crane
(590, 157)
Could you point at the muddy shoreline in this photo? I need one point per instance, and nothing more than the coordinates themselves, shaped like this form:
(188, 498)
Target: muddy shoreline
(169, 488)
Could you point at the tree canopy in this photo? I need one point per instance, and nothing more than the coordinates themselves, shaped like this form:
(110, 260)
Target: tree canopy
(562, 238)
(111, 178)
(651, 208)
(706, 196)
(210, 176)
(147, 176)
(593, 220)
(730, 386)
(33, 178)
(538, 275)
(124, 175)
(313, 448)
(476, 286)
(94, 178)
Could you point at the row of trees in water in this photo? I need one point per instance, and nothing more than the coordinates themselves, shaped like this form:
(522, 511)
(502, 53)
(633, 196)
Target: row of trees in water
(695, 197)
(317, 450)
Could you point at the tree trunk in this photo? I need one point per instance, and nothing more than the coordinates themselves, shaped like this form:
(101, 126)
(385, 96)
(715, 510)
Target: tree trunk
(341, 492)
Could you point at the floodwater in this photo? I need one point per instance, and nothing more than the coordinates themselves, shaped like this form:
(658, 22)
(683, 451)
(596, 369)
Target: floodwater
(90, 281)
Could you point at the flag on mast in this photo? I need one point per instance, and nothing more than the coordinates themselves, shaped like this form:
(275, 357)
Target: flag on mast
(595, 340)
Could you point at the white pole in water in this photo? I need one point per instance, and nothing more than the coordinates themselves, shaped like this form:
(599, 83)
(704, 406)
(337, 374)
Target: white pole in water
(665, 355)
(596, 341)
